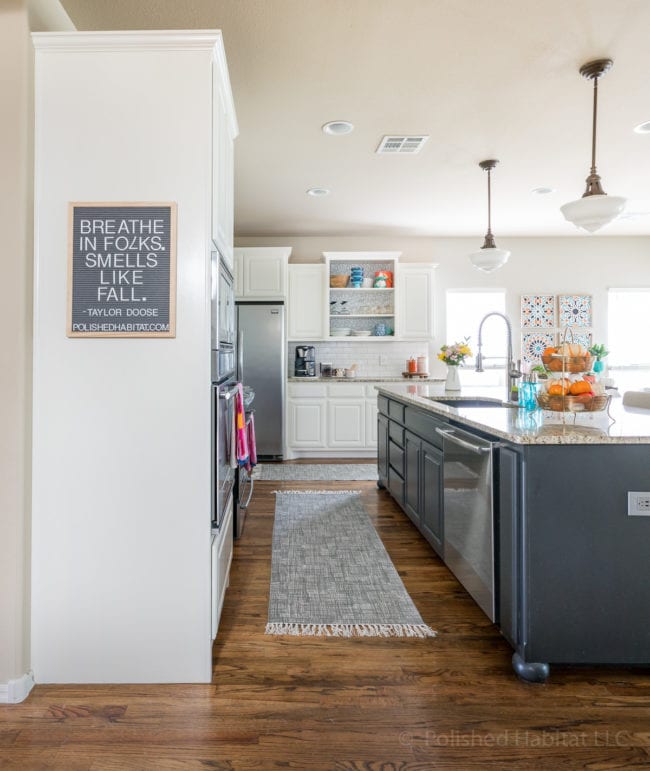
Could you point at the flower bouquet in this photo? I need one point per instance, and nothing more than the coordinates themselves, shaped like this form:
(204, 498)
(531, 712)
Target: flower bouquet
(454, 355)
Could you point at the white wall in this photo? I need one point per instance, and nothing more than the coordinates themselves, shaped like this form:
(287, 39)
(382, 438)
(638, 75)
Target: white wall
(582, 264)
(17, 17)
(121, 509)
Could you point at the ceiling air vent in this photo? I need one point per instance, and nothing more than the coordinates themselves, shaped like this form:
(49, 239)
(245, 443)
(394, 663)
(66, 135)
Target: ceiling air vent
(390, 145)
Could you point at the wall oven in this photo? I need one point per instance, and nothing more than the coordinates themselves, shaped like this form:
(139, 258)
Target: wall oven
(223, 472)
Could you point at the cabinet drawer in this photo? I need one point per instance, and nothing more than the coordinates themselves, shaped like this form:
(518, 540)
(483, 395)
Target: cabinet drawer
(424, 426)
(396, 485)
(344, 390)
(308, 390)
(396, 411)
(382, 405)
(396, 457)
(396, 433)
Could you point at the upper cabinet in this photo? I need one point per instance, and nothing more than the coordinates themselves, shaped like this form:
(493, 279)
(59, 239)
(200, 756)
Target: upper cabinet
(307, 288)
(361, 301)
(372, 296)
(415, 299)
(261, 272)
(224, 131)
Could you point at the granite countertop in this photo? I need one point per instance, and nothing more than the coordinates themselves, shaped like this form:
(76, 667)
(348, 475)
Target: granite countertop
(619, 425)
(364, 379)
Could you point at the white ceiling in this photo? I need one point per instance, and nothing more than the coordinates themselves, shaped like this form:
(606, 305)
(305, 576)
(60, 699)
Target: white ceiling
(485, 78)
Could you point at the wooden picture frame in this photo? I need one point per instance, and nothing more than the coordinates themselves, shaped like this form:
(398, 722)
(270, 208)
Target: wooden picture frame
(121, 269)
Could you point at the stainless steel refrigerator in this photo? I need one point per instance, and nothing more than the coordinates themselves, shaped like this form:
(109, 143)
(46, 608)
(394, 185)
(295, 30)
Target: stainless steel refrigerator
(261, 354)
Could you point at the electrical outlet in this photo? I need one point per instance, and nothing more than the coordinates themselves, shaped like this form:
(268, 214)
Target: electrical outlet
(638, 504)
(383, 360)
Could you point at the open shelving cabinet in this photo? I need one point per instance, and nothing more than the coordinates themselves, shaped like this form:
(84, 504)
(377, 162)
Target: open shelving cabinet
(362, 309)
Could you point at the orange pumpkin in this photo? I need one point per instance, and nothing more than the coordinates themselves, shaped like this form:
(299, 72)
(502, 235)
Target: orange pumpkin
(549, 351)
(580, 387)
(559, 387)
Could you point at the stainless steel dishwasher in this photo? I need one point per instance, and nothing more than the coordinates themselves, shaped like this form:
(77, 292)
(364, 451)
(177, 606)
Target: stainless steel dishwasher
(469, 514)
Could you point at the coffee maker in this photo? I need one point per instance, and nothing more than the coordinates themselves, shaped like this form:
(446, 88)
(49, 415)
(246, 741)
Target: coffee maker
(305, 361)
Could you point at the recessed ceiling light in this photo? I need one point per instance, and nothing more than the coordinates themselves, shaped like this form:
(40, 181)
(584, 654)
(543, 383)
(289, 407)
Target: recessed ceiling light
(542, 190)
(338, 127)
(318, 192)
(643, 128)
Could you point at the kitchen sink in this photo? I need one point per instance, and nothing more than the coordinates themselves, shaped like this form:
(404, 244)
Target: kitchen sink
(466, 401)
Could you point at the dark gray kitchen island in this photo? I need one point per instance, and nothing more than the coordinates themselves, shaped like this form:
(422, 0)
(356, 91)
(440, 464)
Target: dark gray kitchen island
(531, 512)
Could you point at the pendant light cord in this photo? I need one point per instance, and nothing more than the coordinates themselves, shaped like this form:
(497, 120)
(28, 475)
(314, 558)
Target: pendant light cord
(593, 129)
(489, 230)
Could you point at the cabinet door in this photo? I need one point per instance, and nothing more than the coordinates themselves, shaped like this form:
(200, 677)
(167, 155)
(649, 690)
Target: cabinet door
(221, 554)
(382, 449)
(431, 492)
(509, 515)
(414, 286)
(305, 303)
(412, 453)
(264, 276)
(307, 423)
(371, 423)
(222, 172)
(238, 274)
(346, 421)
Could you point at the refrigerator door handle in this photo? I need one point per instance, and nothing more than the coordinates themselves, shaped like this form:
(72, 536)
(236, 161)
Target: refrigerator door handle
(240, 355)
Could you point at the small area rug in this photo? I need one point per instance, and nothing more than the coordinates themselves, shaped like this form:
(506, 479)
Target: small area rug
(331, 574)
(316, 472)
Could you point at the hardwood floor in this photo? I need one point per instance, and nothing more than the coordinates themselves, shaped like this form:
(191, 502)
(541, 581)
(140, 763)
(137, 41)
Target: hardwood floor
(366, 704)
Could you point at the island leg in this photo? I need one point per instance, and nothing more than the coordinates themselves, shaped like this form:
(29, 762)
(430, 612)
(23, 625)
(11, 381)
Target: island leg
(380, 485)
(532, 671)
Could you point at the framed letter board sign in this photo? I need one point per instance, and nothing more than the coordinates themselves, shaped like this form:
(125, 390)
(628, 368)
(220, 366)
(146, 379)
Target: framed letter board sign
(122, 270)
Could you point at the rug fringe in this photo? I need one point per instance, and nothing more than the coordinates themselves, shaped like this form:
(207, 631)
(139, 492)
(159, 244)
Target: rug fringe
(351, 630)
(317, 492)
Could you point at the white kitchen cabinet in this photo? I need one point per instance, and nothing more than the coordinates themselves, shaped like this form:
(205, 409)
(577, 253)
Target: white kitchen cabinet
(306, 302)
(136, 610)
(262, 272)
(224, 130)
(371, 422)
(307, 423)
(221, 554)
(332, 420)
(415, 300)
(365, 307)
(346, 423)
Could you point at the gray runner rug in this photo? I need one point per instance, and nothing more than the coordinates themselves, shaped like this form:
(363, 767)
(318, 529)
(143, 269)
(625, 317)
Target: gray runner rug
(331, 574)
(316, 472)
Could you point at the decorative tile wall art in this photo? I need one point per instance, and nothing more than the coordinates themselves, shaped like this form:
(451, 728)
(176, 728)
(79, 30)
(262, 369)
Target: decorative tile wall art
(575, 310)
(582, 337)
(538, 310)
(533, 345)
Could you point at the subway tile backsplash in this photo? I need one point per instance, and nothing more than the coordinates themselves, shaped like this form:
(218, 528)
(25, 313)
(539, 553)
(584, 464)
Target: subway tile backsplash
(394, 356)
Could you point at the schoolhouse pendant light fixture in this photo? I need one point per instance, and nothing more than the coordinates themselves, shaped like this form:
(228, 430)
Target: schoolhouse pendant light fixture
(595, 209)
(489, 257)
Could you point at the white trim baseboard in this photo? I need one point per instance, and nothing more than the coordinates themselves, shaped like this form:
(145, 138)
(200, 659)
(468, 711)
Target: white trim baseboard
(16, 690)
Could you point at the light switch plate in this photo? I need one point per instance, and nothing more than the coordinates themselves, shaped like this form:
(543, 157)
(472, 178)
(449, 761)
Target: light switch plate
(638, 504)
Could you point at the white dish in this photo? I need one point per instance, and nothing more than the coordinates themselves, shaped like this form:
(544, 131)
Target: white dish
(340, 332)
(362, 333)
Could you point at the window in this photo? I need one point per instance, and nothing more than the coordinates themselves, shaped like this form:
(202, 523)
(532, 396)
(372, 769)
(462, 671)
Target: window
(627, 328)
(465, 309)
(628, 338)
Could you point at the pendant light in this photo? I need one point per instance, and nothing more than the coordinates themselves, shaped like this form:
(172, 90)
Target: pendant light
(595, 209)
(489, 257)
